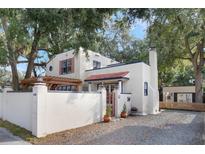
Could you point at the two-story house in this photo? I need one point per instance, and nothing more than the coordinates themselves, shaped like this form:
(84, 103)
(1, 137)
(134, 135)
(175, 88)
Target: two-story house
(69, 65)
(88, 72)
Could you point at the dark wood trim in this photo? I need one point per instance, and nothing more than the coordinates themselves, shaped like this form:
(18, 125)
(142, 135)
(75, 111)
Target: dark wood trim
(107, 79)
(175, 97)
(115, 66)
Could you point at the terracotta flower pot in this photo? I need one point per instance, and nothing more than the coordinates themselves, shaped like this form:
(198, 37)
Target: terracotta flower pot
(106, 118)
(123, 114)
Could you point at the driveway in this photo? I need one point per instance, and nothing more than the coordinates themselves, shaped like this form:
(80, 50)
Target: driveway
(169, 127)
(6, 138)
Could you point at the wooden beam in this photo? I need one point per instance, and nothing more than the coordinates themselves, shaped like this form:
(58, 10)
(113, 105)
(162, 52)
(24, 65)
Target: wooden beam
(61, 83)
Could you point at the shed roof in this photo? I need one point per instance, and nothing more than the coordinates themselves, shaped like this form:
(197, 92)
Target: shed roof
(107, 76)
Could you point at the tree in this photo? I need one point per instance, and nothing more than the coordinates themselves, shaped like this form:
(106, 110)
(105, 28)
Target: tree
(179, 34)
(62, 29)
(12, 41)
(26, 31)
(117, 43)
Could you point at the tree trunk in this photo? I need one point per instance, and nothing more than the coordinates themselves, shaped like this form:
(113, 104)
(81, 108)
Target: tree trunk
(15, 77)
(32, 55)
(198, 71)
(30, 66)
(197, 59)
(198, 85)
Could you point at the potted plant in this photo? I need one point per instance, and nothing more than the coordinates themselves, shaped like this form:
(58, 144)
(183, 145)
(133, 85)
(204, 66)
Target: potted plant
(107, 116)
(124, 112)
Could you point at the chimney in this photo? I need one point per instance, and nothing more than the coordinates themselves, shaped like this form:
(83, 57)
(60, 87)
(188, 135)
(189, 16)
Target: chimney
(153, 66)
(154, 92)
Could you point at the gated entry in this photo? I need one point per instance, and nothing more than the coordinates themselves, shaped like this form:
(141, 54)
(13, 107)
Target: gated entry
(111, 101)
(111, 97)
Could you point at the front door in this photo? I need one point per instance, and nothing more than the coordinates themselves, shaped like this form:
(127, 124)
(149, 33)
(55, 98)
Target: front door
(111, 97)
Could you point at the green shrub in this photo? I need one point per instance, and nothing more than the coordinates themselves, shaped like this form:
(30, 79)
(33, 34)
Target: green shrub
(124, 108)
(109, 110)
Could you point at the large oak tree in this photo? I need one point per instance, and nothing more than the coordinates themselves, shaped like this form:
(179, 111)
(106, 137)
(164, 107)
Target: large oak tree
(26, 31)
(177, 34)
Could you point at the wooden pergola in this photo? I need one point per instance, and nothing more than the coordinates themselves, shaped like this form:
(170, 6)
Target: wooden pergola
(51, 82)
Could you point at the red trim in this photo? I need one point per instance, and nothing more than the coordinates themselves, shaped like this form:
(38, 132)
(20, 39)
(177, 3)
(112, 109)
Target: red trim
(107, 76)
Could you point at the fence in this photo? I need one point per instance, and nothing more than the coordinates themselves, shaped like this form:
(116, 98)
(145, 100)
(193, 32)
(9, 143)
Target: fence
(44, 112)
(17, 108)
(72, 111)
(183, 106)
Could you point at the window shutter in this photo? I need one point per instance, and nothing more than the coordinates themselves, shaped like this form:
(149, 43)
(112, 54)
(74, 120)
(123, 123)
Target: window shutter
(72, 65)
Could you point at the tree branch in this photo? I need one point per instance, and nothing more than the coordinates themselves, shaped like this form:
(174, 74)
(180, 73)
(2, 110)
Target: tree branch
(35, 64)
(185, 58)
(188, 46)
(40, 64)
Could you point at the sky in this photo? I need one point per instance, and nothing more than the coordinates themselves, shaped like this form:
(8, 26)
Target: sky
(22, 67)
(138, 31)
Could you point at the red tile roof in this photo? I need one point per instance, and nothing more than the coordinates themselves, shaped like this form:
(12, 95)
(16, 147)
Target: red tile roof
(117, 75)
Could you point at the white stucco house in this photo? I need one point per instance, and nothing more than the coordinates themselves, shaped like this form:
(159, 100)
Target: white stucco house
(134, 84)
(138, 80)
(76, 91)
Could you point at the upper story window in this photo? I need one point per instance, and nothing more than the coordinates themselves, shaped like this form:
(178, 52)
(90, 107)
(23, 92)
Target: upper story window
(96, 64)
(67, 66)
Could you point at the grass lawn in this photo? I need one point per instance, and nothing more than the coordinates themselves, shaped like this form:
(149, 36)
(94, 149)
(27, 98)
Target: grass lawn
(18, 131)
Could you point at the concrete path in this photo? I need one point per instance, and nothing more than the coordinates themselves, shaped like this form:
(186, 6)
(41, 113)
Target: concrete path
(6, 138)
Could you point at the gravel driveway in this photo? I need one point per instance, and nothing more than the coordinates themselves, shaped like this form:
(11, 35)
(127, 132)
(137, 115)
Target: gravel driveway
(169, 127)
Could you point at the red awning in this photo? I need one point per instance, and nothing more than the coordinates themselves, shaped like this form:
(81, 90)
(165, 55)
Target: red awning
(109, 76)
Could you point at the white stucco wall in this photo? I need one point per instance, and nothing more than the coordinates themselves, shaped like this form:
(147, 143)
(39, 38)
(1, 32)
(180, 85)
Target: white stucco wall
(153, 106)
(146, 99)
(121, 100)
(44, 112)
(138, 73)
(72, 111)
(17, 108)
(55, 63)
